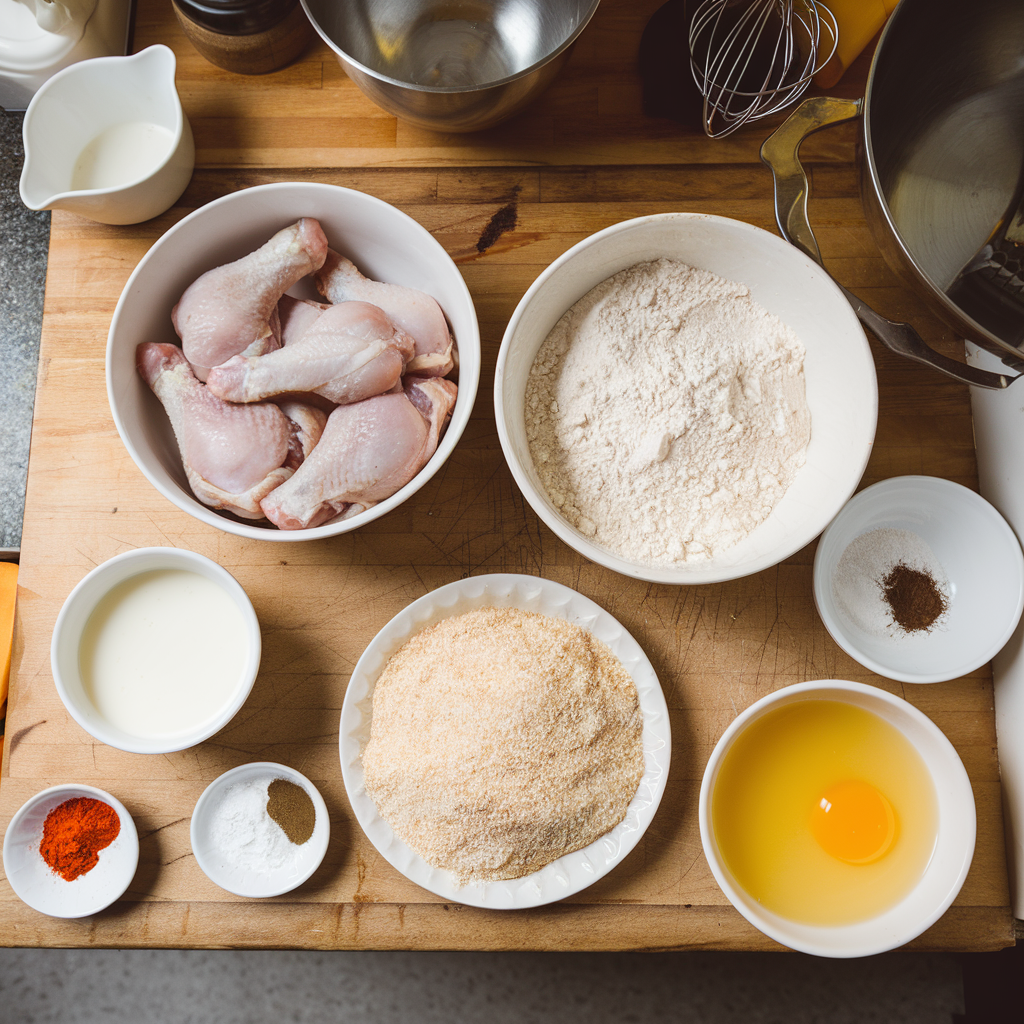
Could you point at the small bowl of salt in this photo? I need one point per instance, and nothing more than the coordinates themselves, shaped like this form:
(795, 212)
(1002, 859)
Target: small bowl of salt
(260, 829)
(919, 579)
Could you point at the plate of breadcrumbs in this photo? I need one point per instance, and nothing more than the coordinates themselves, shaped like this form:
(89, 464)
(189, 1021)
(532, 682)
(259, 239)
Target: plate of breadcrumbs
(504, 742)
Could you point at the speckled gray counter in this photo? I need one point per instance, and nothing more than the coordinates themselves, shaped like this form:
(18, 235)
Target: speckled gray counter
(25, 235)
(274, 987)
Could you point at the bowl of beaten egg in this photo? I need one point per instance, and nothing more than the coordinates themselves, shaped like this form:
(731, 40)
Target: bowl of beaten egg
(837, 818)
(155, 650)
(655, 468)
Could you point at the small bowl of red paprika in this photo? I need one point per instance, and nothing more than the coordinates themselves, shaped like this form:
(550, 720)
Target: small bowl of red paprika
(71, 851)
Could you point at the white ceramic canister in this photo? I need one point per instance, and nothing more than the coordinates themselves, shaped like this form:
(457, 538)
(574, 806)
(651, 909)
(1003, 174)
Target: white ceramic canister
(107, 138)
(40, 37)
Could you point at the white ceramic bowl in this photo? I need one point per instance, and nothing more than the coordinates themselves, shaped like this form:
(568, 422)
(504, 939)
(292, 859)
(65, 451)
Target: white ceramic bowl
(384, 243)
(954, 844)
(39, 886)
(237, 878)
(71, 622)
(842, 393)
(575, 871)
(982, 560)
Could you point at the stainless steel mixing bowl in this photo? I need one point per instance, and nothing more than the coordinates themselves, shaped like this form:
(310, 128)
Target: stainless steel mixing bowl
(941, 157)
(451, 65)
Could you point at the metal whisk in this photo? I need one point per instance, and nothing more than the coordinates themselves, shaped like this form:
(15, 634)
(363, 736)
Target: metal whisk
(752, 58)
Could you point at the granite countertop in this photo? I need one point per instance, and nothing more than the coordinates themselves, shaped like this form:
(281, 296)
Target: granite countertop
(26, 236)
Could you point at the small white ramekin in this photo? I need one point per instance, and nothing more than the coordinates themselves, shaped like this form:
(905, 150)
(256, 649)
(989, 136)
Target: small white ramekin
(36, 884)
(243, 881)
(67, 638)
(979, 553)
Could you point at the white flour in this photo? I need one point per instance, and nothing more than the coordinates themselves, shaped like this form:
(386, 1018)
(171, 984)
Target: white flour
(666, 414)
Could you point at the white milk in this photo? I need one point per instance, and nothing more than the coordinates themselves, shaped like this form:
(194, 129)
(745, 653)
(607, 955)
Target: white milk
(162, 652)
(120, 154)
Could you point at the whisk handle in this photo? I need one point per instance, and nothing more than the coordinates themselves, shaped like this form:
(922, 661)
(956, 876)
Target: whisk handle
(781, 152)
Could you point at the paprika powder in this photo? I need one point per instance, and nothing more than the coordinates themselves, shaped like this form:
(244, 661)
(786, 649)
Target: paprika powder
(74, 833)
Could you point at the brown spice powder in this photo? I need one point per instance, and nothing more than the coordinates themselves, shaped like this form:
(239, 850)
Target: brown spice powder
(501, 740)
(913, 596)
(291, 807)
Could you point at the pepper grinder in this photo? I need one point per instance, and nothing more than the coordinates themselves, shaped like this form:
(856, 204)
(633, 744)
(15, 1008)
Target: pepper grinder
(248, 37)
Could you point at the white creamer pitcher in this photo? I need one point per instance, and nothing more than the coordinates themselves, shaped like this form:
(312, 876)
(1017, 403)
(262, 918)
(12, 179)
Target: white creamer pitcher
(107, 138)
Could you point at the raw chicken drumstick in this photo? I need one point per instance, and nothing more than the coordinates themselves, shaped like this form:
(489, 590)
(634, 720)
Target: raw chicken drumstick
(234, 455)
(230, 309)
(306, 425)
(294, 318)
(351, 352)
(414, 311)
(368, 451)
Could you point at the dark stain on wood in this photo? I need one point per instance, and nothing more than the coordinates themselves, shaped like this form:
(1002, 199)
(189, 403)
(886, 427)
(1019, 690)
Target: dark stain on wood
(504, 220)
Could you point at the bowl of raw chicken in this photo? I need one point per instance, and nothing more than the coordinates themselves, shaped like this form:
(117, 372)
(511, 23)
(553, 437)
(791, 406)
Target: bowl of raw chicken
(292, 361)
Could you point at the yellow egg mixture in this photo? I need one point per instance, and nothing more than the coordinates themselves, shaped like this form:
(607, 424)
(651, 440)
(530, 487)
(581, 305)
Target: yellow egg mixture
(824, 812)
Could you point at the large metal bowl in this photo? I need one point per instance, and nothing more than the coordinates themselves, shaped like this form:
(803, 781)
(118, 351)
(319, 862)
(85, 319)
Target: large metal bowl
(451, 65)
(941, 155)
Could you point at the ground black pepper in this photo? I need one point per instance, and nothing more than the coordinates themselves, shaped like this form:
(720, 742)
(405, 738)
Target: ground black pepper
(291, 807)
(914, 597)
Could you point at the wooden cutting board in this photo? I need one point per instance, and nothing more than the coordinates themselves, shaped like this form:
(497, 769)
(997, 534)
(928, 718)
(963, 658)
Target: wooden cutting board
(716, 648)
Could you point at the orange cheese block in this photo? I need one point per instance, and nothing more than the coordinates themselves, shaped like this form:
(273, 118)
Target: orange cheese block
(8, 593)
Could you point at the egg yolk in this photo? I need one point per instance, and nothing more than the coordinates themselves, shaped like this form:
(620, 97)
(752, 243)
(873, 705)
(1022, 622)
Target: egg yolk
(854, 822)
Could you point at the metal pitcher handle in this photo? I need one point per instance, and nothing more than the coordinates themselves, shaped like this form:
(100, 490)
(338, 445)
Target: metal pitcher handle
(781, 152)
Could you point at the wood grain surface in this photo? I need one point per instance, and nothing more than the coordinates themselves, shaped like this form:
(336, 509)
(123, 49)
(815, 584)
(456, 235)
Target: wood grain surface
(716, 648)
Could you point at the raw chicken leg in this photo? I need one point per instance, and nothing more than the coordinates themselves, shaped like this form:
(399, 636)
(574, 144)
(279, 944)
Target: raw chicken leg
(229, 310)
(351, 352)
(414, 311)
(306, 424)
(234, 455)
(294, 318)
(369, 451)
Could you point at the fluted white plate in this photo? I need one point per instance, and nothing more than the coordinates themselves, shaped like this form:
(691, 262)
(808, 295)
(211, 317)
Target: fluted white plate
(575, 871)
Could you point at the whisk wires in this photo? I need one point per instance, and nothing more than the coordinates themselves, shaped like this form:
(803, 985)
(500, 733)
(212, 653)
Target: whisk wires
(752, 58)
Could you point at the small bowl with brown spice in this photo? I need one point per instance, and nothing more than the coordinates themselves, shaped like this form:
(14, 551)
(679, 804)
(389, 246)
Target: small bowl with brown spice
(919, 579)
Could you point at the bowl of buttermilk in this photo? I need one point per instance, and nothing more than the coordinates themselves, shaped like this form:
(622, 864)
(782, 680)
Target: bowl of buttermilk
(685, 398)
(155, 650)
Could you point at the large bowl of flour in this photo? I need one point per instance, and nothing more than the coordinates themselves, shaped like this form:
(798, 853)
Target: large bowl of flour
(685, 398)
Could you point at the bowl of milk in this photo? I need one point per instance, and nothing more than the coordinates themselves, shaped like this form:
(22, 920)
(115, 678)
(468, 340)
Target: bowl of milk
(107, 138)
(155, 650)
